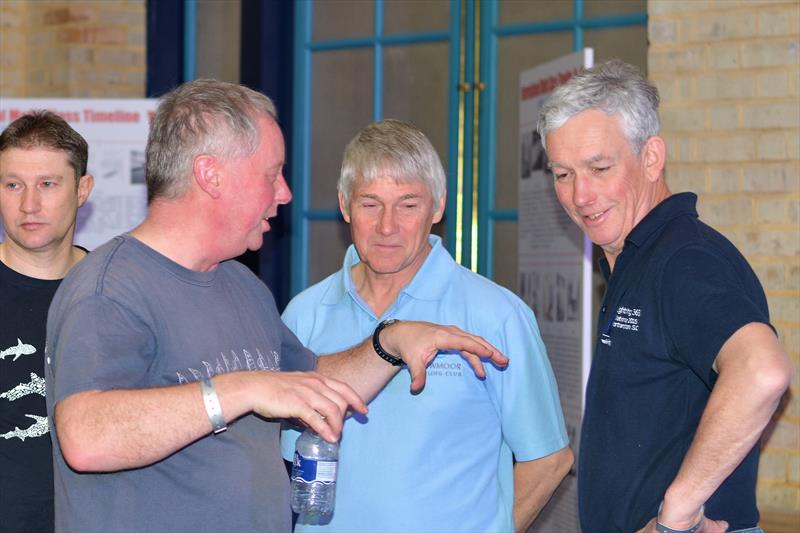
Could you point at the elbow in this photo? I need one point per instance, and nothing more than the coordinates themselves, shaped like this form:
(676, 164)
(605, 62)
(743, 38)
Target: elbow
(773, 379)
(80, 451)
(566, 461)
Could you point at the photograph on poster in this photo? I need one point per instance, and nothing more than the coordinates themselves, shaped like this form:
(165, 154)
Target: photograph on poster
(533, 158)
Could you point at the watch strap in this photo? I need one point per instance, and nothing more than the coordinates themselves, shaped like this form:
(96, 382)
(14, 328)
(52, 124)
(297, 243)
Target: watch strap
(376, 343)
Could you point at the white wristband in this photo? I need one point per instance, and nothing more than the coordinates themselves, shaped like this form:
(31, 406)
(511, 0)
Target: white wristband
(213, 408)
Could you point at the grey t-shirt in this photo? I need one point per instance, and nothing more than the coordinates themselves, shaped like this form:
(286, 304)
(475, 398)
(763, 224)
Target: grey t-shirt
(127, 317)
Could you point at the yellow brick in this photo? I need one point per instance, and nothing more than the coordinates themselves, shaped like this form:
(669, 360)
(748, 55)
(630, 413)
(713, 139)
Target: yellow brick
(771, 115)
(773, 84)
(785, 435)
(661, 31)
(721, 26)
(772, 146)
(730, 148)
(681, 178)
(667, 7)
(777, 21)
(793, 143)
(726, 86)
(794, 468)
(776, 496)
(683, 119)
(726, 212)
(768, 54)
(724, 118)
(724, 178)
(793, 282)
(793, 212)
(794, 81)
(769, 242)
(770, 275)
(786, 308)
(771, 177)
(724, 56)
(770, 211)
(677, 60)
(773, 466)
(792, 345)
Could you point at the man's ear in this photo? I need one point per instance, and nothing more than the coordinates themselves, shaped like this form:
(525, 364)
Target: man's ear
(85, 186)
(344, 208)
(654, 157)
(207, 175)
(438, 211)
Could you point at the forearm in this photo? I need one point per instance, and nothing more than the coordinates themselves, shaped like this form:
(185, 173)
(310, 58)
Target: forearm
(534, 484)
(360, 367)
(753, 375)
(103, 431)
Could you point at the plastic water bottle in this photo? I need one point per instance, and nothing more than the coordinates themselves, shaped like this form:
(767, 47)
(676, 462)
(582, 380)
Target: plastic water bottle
(314, 478)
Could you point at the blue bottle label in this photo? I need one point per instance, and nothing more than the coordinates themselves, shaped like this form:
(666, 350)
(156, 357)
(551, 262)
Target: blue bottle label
(313, 471)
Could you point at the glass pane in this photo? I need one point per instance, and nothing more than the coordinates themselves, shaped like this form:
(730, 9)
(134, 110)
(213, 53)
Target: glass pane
(605, 8)
(341, 104)
(505, 254)
(628, 44)
(516, 54)
(218, 48)
(342, 19)
(404, 16)
(518, 11)
(415, 89)
(328, 240)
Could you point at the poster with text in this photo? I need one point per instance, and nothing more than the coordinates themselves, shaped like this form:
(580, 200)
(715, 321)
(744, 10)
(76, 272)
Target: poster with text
(116, 130)
(555, 268)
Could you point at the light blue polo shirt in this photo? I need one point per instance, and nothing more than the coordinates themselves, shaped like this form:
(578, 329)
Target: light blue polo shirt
(440, 460)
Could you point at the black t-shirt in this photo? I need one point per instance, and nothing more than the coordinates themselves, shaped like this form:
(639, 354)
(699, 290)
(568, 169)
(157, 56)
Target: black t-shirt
(678, 291)
(26, 461)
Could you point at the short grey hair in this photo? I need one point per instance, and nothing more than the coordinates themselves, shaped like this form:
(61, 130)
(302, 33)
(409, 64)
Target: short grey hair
(200, 117)
(614, 87)
(391, 148)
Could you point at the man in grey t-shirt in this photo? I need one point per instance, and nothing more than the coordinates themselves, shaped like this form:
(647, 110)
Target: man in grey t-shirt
(168, 363)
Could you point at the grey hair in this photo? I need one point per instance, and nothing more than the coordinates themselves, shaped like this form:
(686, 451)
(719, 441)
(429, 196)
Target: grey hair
(391, 148)
(200, 117)
(614, 87)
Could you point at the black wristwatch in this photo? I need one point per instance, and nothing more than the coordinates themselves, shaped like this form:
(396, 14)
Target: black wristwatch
(376, 343)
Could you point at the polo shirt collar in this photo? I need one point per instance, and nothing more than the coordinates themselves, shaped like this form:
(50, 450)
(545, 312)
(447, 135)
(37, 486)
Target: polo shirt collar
(674, 206)
(428, 283)
(677, 205)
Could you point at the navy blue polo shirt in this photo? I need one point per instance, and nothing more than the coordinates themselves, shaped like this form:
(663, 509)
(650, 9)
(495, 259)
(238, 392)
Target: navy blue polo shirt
(678, 291)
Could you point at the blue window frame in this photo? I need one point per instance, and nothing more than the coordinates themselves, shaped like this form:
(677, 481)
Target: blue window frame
(473, 36)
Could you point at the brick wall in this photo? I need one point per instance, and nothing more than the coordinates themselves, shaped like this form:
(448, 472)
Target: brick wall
(729, 76)
(58, 48)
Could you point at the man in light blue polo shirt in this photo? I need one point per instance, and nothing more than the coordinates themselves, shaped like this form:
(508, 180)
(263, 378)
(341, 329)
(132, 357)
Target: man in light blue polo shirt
(443, 459)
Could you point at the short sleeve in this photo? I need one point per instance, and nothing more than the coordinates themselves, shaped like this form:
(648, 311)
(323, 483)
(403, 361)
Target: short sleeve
(526, 390)
(99, 345)
(294, 356)
(706, 298)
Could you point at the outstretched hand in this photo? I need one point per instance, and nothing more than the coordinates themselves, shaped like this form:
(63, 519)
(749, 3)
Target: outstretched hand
(417, 343)
(318, 401)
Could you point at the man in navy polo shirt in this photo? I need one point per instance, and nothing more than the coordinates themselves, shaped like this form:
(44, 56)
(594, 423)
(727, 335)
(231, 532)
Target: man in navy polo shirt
(687, 370)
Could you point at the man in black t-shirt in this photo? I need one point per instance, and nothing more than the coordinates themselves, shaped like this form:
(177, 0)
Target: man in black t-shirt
(43, 182)
(687, 370)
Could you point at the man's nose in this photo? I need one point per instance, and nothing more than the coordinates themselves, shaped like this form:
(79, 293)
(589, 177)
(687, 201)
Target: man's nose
(582, 191)
(31, 201)
(284, 194)
(387, 223)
